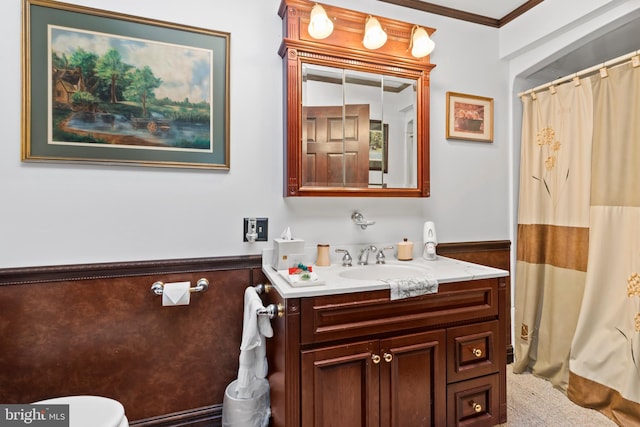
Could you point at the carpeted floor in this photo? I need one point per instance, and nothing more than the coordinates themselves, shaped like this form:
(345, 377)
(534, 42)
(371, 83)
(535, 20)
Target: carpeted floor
(533, 402)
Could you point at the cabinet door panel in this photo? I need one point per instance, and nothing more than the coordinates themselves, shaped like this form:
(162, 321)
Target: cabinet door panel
(340, 386)
(413, 380)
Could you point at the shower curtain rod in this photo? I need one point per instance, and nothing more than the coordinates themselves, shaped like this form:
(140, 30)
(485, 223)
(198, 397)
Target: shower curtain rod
(634, 56)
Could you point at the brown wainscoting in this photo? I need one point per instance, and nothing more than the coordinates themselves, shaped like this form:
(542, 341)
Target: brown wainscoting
(97, 329)
(494, 253)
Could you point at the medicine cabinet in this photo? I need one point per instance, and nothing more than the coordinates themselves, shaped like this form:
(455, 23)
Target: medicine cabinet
(356, 120)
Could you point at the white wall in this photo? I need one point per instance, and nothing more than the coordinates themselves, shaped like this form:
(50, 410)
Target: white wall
(54, 214)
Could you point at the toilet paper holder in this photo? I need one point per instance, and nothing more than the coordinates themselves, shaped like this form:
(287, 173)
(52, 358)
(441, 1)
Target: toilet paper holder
(201, 285)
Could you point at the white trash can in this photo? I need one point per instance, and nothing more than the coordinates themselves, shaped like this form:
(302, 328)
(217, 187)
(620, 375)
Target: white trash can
(254, 411)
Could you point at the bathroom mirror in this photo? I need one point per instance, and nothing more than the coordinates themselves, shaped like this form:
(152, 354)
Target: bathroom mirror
(356, 120)
(357, 129)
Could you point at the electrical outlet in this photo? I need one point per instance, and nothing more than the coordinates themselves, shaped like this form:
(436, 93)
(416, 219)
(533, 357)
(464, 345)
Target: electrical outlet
(261, 229)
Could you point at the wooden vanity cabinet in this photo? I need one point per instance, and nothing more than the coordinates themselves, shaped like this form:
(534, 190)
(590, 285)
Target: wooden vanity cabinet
(390, 382)
(361, 359)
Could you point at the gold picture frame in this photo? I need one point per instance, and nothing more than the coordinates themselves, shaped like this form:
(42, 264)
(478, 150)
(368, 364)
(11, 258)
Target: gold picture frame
(99, 87)
(469, 117)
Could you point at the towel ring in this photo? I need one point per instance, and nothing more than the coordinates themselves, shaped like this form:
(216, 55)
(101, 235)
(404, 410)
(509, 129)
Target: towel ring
(201, 286)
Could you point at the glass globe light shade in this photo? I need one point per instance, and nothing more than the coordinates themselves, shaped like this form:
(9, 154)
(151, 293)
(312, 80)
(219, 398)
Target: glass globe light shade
(374, 35)
(320, 26)
(421, 45)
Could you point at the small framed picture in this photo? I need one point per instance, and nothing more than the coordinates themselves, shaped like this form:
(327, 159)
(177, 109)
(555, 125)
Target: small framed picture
(378, 146)
(469, 117)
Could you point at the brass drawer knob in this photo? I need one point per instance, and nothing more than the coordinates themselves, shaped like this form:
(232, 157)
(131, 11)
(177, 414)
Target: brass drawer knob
(388, 357)
(375, 358)
(477, 352)
(476, 406)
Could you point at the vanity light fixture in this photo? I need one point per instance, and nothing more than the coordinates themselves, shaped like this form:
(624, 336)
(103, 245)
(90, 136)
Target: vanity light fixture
(374, 35)
(421, 43)
(320, 26)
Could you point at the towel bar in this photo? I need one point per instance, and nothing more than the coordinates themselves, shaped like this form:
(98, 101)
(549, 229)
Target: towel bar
(201, 285)
(271, 310)
(262, 288)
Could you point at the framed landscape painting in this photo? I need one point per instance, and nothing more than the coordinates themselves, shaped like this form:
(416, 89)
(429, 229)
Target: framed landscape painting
(469, 117)
(100, 87)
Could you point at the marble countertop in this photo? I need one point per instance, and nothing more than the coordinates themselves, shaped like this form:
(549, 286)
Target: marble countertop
(443, 270)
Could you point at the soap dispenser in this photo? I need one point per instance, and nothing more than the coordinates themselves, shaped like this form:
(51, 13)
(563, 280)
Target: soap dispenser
(429, 240)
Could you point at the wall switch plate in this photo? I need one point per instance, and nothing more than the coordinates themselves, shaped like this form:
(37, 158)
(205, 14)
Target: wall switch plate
(261, 229)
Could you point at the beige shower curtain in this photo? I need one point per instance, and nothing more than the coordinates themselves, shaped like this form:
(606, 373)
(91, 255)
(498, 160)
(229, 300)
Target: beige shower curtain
(553, 228)
(605, 353)
(577, 288)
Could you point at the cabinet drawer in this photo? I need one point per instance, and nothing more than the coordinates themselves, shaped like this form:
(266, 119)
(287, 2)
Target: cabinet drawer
(334, 317)
(473, 402)
(472, 351)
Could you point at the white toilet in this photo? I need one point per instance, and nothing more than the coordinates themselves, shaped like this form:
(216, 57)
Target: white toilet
(91, 411)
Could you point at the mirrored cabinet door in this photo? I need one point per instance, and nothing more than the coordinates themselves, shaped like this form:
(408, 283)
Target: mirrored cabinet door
(357, 129)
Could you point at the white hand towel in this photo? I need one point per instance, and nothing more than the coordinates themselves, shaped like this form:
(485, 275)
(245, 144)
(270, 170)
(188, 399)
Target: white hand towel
(253, 360)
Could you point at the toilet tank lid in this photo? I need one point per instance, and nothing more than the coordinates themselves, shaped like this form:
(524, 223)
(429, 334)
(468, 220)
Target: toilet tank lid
(92, 411)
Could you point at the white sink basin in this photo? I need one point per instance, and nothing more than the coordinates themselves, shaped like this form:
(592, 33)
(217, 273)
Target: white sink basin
(381, 272)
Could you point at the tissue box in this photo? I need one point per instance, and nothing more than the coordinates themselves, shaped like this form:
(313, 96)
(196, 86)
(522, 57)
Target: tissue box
(286, 252)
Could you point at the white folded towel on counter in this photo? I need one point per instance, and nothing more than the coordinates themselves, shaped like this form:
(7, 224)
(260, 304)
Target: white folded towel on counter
(411, 287)
(253, 359)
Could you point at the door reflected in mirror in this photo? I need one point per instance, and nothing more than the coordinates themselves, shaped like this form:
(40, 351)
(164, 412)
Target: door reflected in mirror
(357, 129)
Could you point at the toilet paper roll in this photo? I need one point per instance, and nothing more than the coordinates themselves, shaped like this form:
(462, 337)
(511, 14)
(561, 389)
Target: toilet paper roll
(176, 293)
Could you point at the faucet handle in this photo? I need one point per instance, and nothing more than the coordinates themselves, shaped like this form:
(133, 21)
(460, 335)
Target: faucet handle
(380, 258)
(346, 258)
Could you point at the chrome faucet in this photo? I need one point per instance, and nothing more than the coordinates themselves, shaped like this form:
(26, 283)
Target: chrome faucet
(364, 255)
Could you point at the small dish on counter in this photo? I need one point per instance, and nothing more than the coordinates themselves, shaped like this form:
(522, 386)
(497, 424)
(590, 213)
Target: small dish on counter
(305, 278)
